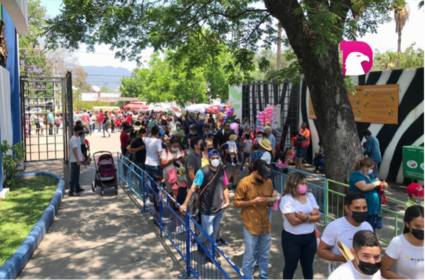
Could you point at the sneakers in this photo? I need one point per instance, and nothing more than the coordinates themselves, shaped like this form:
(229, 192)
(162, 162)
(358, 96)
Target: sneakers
(223, 242)
(269, 265)
(73, 194)
(180, 229)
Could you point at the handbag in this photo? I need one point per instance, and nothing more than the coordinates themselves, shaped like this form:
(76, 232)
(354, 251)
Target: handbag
(198, 201)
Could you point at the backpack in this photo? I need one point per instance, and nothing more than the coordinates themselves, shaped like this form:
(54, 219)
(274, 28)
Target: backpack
(302, 142)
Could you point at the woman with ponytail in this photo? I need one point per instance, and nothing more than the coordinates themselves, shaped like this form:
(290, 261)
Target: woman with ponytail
(406, 251)
(362, 181)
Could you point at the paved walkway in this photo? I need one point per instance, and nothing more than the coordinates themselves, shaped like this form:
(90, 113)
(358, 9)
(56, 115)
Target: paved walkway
(108, 237)
(100, 237)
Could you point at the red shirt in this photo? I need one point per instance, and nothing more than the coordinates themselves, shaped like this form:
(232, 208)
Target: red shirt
(124, 138)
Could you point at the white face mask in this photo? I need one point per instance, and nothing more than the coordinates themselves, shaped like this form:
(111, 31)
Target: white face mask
(215, 162)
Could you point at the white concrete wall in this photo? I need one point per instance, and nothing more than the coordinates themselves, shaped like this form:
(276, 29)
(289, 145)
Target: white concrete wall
(5, 111)
(18, 12)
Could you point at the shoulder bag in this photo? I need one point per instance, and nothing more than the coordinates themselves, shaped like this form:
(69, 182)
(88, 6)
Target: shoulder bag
(198, 201)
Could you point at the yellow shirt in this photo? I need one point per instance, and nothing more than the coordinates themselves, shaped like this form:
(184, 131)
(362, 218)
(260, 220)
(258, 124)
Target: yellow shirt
(410, 202)
(256, 217)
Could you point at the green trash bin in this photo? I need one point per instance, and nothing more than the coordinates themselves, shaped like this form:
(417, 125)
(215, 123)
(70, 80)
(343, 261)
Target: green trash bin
(413, 162)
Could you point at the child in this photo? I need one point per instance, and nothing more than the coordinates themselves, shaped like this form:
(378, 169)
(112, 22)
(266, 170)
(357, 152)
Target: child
(83, 138)
(289, 154)
(247, 148)
(232, 148)
(319, 158)
(416, 195)
(179, 194)
(255, 155)
(159, 182)
(281, 164)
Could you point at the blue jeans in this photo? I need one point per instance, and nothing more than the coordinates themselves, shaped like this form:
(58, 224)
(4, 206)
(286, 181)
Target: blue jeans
(373, 221)
(100, 127)
(152, 171)
(319, 161)
(251, 255)
(211, 225)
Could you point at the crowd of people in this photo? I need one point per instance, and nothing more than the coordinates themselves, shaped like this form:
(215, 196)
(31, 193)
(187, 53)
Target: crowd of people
(197, 160)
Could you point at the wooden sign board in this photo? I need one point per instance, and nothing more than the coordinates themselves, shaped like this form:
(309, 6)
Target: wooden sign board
(372, 104)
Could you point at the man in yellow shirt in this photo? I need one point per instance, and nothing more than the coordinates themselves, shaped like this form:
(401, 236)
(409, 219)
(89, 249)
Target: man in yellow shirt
(253, 195)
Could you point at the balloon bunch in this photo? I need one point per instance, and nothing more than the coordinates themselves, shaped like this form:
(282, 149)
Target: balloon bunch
(227, 114)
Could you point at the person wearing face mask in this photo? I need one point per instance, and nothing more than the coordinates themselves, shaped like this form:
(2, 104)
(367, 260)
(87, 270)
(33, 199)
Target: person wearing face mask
(416, 195)
(193, 164)
(366, 251)
(224, 134)
(213, 197)
(300, 213)
(171, 159)
(76, 159)
(254, 194)
(406, 251)
(343, 229)
(206, 147)
(362, 181)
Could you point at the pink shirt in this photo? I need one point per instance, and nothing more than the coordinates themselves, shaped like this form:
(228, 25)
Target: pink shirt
(85, 118)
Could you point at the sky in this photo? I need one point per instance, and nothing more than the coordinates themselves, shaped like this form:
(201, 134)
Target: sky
(384, 40)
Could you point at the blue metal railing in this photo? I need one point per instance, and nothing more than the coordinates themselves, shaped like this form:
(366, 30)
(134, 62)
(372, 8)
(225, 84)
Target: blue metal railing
(316, 185)
(181, 229)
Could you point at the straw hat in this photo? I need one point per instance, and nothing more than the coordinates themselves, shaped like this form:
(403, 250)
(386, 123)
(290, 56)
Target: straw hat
(265, 143)
(233, 137)
(137, 127)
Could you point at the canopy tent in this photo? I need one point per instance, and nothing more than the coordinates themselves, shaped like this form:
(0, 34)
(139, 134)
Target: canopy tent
(197, 108)
(137, 106)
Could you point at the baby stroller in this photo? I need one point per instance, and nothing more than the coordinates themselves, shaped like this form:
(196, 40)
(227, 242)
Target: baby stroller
(106, 173)
(87, 155)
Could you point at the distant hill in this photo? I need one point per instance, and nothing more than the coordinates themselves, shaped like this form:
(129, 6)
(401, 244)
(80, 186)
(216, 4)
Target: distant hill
(107, 76)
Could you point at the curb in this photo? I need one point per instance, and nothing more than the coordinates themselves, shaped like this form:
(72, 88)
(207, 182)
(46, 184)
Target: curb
(16, 263)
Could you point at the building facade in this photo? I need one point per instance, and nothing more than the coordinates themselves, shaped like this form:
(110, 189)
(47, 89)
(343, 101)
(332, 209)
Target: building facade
(13, 18)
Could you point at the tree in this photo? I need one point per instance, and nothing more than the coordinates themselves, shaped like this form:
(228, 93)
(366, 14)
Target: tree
(314, 29)
(410, 58)
(401, 15)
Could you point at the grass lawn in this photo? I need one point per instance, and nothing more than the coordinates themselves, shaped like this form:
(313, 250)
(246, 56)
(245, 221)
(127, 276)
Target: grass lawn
(21, 209)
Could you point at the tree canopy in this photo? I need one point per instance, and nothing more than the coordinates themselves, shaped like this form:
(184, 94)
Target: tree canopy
(314, 29)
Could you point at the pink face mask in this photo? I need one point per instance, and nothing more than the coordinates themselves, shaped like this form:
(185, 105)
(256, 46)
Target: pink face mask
(302, 189)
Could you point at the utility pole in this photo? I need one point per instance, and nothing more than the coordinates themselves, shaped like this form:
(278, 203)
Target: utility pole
(279, 43)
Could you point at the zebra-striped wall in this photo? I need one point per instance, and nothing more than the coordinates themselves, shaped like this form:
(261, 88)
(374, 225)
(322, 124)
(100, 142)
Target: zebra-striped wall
(392, 138)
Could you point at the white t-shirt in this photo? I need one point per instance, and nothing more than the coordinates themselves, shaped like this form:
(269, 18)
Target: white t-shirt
(231, 146)
(409, 259)
(347, 271)
(267, 157)
(75, 143)
(170, 156)
(342, 230)
(289, 205)
(153, 147)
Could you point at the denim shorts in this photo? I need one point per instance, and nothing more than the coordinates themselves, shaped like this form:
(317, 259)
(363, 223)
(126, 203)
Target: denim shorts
(300, 153)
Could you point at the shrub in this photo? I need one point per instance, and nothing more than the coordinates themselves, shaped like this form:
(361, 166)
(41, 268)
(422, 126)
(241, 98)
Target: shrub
(11, 161)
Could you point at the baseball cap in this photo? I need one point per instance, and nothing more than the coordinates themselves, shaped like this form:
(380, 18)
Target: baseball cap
(415, 189)
(213, 153)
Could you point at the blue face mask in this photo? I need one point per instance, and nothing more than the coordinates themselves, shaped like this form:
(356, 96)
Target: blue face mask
(369, 172)
(174, 149)
(259, 139)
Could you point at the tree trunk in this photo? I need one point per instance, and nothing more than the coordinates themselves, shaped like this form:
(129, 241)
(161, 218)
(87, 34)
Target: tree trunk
(279, 46)
(356, 20)
(324, 78)
(399, 49)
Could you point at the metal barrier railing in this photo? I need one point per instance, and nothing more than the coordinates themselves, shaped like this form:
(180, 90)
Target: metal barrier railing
(392, 219)
(331, 202)
(181, 229)
(316, 185)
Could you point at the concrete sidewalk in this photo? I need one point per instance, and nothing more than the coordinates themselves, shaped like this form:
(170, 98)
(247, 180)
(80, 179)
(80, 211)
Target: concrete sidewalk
(100, 237)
